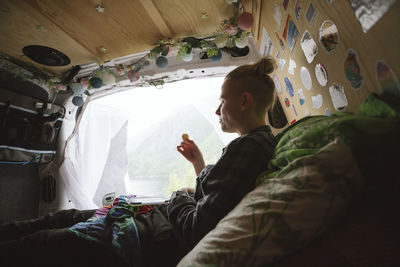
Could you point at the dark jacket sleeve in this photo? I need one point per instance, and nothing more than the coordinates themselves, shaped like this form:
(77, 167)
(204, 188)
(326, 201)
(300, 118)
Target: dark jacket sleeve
(223, 186)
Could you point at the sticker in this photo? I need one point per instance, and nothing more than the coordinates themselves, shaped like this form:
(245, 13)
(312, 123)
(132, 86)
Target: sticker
(352, 70)
(316, 101)
(289, 86)
(328, 112)
(387, 79)
(287, 102)
(338, 96)
(292, 66)
(308, 46)
(321, 74)
(278, 55)
(307, 113)
(297, 9)
(328, 35)
(305, 78)
(311, 13)
(266, 45)
(294, 109)
(277, 15)
(368, 12)
(285, 3)
(278, 85)
(282, 62)
(290, 33)
(280, 41)
(300, 94)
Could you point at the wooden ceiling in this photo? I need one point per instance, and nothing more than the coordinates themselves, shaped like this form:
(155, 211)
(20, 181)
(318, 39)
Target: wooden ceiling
(79, 30)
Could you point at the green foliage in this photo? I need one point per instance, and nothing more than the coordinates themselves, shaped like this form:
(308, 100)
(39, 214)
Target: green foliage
(176, 182)
(165, 50)
(157, 50)
(212, 51)
(25, 72)
(185, 50)
(194, 42)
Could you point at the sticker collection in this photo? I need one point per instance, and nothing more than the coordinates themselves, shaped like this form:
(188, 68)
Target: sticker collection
(296, 13)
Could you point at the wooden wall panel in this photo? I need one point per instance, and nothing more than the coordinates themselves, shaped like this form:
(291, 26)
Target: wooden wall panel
(18, 28)
(381, 42)
(76, 28)
(183, 17)
(124, 28)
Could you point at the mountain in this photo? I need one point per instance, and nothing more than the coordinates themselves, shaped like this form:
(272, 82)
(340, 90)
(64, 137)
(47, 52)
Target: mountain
(153, 153)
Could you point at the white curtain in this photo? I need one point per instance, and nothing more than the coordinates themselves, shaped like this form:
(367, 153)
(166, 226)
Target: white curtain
(95, 159)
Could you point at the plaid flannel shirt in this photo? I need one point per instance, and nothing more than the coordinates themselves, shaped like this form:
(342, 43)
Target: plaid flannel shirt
(220, 187)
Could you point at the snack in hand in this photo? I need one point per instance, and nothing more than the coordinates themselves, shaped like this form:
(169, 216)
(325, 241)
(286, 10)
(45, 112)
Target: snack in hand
(185, 136)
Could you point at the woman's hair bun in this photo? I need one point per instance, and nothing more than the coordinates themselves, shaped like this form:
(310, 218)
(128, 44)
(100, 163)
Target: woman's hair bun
(260, 70)
(266, 65)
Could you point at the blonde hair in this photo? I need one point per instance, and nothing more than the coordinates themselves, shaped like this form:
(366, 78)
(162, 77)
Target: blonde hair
(257, 81)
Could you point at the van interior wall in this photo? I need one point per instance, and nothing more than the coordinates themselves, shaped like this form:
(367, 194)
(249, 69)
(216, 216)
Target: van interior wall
(354, 49)
(19, 192)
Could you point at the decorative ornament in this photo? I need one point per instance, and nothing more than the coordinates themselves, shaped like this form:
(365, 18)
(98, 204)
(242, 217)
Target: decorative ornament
(77, 100)
(77, 88)
(230, 33)
(61, 87)
(84, 82)
(287, 102)
(245, 21)
(162, 62)
(242, 41)
(328, 35)
(120, 69)
(188, 57)
(217, 57)
(96, 82)
(352, 70)
(221, 41)
(41, 28)
(321, 74)
(109, 77)
(100, 9)
(165, 51)
(230, 29)
(133, 76)
(204, 15)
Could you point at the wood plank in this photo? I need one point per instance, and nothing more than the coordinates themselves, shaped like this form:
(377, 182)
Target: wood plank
(124, 28)
(155, 15)
(184, 17)
(18, 28)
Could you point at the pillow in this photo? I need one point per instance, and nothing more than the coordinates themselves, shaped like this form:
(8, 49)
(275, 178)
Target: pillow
(311, 180)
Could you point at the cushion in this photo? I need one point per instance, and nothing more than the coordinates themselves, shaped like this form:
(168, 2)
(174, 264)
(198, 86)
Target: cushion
(312, 179)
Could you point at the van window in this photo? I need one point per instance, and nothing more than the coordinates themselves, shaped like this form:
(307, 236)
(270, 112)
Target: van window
(157, 120)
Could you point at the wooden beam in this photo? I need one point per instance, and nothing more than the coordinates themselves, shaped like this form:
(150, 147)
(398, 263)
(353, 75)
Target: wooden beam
(155, 15)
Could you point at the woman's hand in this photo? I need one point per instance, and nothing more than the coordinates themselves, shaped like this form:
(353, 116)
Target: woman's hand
(193, 154)
(188, 190)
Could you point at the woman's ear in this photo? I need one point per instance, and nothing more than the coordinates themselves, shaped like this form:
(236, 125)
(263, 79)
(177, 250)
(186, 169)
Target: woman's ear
(246, 101)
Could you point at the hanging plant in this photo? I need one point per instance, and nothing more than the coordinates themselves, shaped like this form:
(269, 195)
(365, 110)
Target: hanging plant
(25, 72)
(230, 33)
(185, 50)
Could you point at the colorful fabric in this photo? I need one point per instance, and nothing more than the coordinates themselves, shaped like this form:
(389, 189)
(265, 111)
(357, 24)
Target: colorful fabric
(114, 226)
(221, 186)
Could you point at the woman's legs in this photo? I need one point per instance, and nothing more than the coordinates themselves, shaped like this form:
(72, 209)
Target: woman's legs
(56, 220)
(56, 247)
